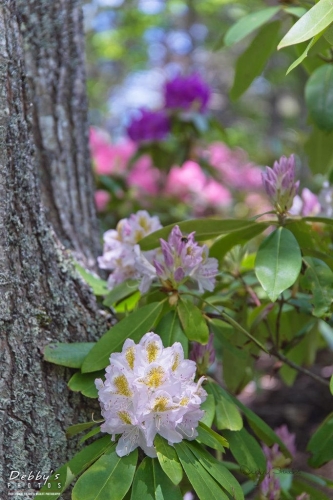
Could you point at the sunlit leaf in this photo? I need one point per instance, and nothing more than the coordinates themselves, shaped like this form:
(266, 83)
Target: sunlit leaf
(248, 24)
(193, 322)
(98, 285)
(168, 459)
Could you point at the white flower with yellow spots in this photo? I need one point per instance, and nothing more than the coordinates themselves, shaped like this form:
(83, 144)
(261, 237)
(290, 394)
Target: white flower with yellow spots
(150, 390)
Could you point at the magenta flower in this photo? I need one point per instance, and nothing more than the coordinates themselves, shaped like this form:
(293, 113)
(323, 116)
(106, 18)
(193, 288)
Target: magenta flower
(279, 183)
(150, 126)
(179, 259)
(187, 93)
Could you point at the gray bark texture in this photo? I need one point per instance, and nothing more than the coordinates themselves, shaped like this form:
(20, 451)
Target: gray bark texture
(43, 160)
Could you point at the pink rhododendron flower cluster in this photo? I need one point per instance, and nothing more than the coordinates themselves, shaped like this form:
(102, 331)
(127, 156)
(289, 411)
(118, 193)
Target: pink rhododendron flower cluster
(306, 205)
(118, 253)
(180, 259)
(150, 390)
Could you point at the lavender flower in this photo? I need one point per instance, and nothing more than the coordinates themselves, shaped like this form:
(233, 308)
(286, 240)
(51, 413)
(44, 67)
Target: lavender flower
(306, 205)
(118, 253)
(187, 92)
(279, 183)
(150, 126)
(180, 259)
(274, 455)
(203, 355)
(150, 390)
(270, 486)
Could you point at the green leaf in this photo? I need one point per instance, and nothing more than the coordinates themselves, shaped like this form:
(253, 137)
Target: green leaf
(251, 63)
(71, 355)
(108, 479)
(227, 415)
(192, 320)
(99, 286)
(85, 383)
(319, 151)
(299, 487)
(295, 11)
(168, 459)
(208, 407)
(90, 434)
(309, 25)
(248, 24)
(224, 244)
(331, 385)
(321, 443)
(319, 96)
(301, 58)
(247, 452)
(79, 463)
(150, 483)
(133, 326)
(219, 472)
(205, 229)
(120, 291)
(170, 331)
(260, 428)
(76, 429)
(318, 278)
(211, 438)
(278, 262)
(203, 484)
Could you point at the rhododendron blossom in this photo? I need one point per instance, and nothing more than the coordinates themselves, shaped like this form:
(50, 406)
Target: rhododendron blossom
(180, 259)
(279, 183)
(150, 390)
(118, 253)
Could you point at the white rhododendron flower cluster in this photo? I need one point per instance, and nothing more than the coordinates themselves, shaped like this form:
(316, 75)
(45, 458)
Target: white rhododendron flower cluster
(150, 390)
(118, 253)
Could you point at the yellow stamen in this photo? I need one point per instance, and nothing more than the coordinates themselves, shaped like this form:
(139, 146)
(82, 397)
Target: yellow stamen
(144, 223)
(176, 362)
(161, 404)
(184, 401)
(130, 356)
(122, 386)
(124, 416)
(152, 351)
(155, 377)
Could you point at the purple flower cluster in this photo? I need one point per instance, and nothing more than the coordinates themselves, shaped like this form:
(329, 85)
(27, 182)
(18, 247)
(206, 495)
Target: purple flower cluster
(279, 183)
(187, 93)
(150, 126)
(179, 259)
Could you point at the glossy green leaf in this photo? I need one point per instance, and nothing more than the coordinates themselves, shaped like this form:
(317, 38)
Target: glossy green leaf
(309, 25)
(120, 291)
(260, 428)
(133, 326)
(319, 96)
(208, 406)
(128, 304)
(203, 484)
(248, 24)
(108, 479)
(321, 443)
(318, 278)
(85, 383)
(219, 472)
(151, 483)
(301, 58)
(319, 151)
(278, 262)
(205, 229)
(295, 11)
(251, 63)
(193, 322)
(90, 434)
(99, 286)
(168, 459)
(227, 415)
(224, 244)
(170, 331)
(69, 471)
(73, 430)
(210, 438)
(71, 355)
(247, 452)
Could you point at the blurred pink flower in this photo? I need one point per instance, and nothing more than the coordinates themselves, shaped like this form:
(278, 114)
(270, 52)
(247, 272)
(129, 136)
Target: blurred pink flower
(184, 180)
(144, 175)
(102, 198)
(307, 204)
(215, 194)
(109, 158)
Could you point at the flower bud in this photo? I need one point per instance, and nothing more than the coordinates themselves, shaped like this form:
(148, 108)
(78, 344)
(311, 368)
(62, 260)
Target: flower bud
(279, 183)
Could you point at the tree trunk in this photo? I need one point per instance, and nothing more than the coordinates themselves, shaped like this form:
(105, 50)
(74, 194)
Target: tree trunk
(43, 128)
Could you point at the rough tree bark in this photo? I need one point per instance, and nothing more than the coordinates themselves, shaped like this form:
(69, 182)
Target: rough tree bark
(43, 129)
